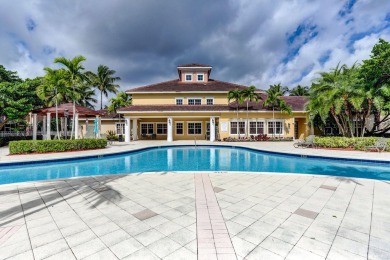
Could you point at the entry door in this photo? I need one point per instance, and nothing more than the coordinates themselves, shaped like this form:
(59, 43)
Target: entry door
(296, 129)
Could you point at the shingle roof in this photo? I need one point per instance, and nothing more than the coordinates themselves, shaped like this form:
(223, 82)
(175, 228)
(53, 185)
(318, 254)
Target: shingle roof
(105, 114)
(178, 86)
(297, 104)
(194, 65)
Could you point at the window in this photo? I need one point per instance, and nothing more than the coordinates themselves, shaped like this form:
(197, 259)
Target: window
(188, 77)
(194, 101)
(277, 125)
(147, 128)
(120, 128)
(256, 128)
(179, 101)
(161, 129)
(233, 127)
(179, 128)
(194, 128)
(210, 101)
(200, 77)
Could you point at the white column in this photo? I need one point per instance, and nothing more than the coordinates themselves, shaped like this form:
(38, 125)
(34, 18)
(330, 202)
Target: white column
(35, 125)
(44, 128)
(170, 132)
(135, 130)
(212, 129)
(127, 129)
(48, 127)
(76, 126)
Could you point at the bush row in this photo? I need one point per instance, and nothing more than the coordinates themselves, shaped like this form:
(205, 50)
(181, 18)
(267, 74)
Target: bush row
(357, 143)
(46, 146)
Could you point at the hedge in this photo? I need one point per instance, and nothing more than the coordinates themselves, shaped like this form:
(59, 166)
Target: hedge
(357, 143)
(46, 146)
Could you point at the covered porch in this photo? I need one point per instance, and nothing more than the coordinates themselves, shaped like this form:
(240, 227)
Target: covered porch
(171, 127)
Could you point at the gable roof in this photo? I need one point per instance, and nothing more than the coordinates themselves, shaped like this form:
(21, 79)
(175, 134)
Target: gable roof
(178, 86)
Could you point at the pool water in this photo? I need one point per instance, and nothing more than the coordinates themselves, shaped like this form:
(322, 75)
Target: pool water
(206, 158)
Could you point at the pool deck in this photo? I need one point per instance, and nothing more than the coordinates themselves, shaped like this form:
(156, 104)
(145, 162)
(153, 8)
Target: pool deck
(190, 215)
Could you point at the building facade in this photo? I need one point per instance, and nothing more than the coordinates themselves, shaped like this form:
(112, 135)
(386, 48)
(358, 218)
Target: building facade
(194, 106)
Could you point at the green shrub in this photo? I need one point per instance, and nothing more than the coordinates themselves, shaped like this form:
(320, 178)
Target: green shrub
(46, 146)
(111, 135)
(357, 143)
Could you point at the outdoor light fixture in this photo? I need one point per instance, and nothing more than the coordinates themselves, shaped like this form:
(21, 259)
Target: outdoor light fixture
(169, 121)
(212, 120)
(66, 112)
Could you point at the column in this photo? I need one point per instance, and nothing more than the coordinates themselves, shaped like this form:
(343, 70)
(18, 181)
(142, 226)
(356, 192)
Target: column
(35, 125)
(48, 127)
(76, 126)
(212, 129)
(135, 129)
(169, 130)
(127, 129)
(44, 134)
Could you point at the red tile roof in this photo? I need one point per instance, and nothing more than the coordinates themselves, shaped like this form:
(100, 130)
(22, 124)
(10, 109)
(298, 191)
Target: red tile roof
(190, 65)
(178, 86)
(82, 111)
(105, 114)
(297, 104)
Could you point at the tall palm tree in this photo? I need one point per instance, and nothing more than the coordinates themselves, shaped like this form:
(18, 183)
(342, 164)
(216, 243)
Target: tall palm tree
(121, 100)
(299, 91)
(76, 76)
(104, 80)
(87, 96)
(54, 90)
(273, 101)
(249, 95)
(236, 96)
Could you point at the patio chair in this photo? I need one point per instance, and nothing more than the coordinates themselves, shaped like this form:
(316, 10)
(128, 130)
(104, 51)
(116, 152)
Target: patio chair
(309, 142)
(380, 145)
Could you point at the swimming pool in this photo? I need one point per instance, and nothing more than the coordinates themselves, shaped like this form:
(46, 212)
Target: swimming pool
(189, 158)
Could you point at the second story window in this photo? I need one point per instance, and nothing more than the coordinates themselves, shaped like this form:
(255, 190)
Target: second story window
(194, 101)
(188, 77)
(179, 101)
(200, 77)
(210, 101)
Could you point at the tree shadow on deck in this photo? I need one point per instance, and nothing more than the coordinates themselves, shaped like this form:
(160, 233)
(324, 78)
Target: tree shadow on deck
(93, 191)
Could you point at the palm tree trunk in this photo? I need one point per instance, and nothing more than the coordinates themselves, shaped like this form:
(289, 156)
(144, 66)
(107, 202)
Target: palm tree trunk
(74, 115)
(247, 120)
(57, 128)
(101, 99)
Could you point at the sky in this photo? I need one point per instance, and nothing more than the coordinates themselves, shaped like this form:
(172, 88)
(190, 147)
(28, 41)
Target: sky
(248, 42)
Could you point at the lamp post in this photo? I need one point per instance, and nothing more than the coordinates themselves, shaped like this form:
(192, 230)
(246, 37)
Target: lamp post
(66, 114)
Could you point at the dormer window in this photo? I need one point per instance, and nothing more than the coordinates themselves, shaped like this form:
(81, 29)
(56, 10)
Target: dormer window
(188, 77)
(200, 77)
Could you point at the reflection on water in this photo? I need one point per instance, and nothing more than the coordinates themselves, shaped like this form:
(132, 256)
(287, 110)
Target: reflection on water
(192, 159)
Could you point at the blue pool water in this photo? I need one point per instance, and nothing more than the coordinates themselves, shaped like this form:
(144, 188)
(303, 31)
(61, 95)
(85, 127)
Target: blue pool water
(206, 158)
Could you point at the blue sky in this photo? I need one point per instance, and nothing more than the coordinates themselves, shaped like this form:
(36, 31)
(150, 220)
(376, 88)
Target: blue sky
(247, 42)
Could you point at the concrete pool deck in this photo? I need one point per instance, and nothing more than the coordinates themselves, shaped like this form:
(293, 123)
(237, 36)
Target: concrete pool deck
(197, 215)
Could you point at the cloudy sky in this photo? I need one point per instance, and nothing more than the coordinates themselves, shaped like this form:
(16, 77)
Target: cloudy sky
(247, 42)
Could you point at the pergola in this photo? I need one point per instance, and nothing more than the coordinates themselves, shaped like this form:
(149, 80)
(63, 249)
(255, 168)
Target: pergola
(63, 110)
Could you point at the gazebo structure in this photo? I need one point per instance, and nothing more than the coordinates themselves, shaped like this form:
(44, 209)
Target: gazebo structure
(63, 110)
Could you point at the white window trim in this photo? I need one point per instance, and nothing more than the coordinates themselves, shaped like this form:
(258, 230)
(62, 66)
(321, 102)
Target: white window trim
(188, 99)
(145, 123)
(276, 120)
(116, 128)
(198, 75)
(176, 127)
(161, 123)
(209, 98)
(201, 127)
(185, 77)
(178, 98)
(235, 120)
(260, 121)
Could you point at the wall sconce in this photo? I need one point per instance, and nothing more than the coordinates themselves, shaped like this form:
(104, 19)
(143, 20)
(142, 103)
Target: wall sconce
(169, 122)
(212, 121)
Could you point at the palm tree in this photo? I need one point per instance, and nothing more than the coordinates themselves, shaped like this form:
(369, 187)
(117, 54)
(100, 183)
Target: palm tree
(104, 81)
(76, 76)
(236, 96)
(299, 91)
(54, 90)
(278, 88)
(249, 95)
(273, 101)
(87, 96)
(121, 100)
